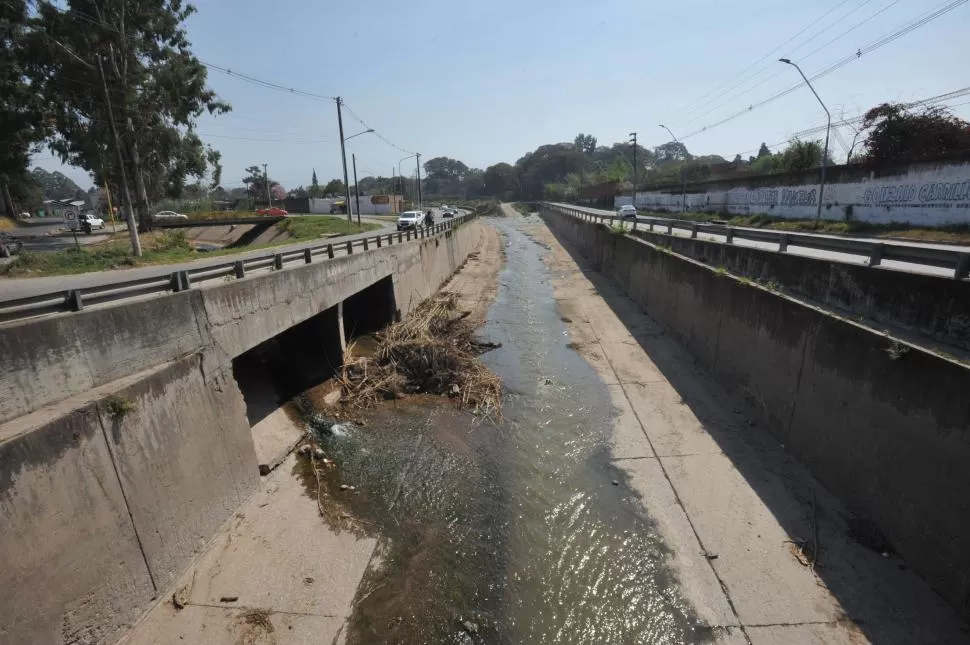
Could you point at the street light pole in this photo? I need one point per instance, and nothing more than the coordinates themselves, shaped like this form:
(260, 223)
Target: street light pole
(683, 170)
(633, 140)
(353, 158)
(269, 195)
(825, 152)
(417, 162)
(404, 185)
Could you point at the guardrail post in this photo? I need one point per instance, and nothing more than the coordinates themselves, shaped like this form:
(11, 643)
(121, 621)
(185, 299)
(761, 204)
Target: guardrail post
(409, 234)
(277, 261)
(783, 244)
(693, 231)
(180, 281)
(875, 255)
(74, 300)
(330, 251)
(729, 236)
(390, 239)
(651, 226)
(377, 238)
(670, 228)
(962, 269)
(350, 247)
(365, 244)
(239, 269)
(399, 237)
(307, 256)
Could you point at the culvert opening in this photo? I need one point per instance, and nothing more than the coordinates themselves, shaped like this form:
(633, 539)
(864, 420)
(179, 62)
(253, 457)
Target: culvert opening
(282, 367)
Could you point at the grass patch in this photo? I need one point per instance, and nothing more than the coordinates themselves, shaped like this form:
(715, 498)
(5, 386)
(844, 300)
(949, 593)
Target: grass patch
(161, 247)
(954, 233)
(309, 227)
(523, 208)
(7, 223)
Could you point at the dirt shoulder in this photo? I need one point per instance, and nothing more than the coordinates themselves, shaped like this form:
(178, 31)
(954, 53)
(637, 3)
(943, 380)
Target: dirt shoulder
(476, 284)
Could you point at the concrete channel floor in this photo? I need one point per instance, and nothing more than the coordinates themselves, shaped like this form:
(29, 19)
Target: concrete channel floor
(293, 579)
(729, 501)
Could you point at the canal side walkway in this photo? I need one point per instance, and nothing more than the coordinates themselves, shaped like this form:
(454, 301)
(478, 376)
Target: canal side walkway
(275, 573)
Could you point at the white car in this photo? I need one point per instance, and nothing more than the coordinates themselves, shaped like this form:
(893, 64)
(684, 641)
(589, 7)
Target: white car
(169, 215)
(89, 221)
(409, 220)
(626, 212)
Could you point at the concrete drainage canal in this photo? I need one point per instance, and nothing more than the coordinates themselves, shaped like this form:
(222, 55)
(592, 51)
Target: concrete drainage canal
(515, 531)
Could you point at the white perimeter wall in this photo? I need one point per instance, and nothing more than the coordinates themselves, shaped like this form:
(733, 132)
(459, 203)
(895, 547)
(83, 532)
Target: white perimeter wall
(925, 197)
(366, 208)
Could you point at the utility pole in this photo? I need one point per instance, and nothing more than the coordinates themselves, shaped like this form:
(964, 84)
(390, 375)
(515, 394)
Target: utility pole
(343, 157)
(353, 157)
(633, 140)
(125, 195)
(418, 162)
(825, 152)
(683, 169)
(269, 195)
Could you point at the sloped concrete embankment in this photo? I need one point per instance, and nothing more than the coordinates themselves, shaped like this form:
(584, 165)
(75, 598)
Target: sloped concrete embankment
(124, 440)
(882, 424)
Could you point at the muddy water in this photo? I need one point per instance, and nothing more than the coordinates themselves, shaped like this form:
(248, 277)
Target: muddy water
(516, 532)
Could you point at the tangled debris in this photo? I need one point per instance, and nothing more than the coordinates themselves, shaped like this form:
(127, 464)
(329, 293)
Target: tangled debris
(433, 351)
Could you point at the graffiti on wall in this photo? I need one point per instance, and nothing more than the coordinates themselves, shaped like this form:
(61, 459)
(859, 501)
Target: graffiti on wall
(931, 197)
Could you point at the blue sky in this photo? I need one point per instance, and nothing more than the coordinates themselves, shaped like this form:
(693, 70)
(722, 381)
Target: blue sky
(487, 82)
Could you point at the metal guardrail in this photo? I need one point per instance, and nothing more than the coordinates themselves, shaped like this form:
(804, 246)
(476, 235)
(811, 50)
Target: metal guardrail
(78, 299)
(875, 252)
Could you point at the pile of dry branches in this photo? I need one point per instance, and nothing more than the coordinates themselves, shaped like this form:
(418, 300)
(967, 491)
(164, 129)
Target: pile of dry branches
(432, 352)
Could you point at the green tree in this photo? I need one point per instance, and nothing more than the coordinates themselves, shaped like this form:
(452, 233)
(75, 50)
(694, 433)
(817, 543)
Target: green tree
(895, 133)
(156, 85)
(445, 168)
(21, 109)
(586, 143)
(501, 180)
(671, 151)
(334, 187)
(763, 150)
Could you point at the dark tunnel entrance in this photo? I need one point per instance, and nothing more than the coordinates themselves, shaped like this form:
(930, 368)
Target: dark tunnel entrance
(282, 367)
(370, 310)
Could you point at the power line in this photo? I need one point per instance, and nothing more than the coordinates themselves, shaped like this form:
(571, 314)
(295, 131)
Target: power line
(267, 84)
(873, 46)
(689, 109)
(376, 133)
(781, 71)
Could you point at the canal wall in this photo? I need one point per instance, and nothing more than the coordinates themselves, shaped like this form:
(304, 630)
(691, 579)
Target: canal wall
(882, 424)
(925, 307)
(125, 441)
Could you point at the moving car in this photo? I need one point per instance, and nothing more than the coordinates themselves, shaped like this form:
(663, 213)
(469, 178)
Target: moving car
(449, 212)
(275, 211)
(169, 215)
(627, 212)
(409, 220)
(89, 221)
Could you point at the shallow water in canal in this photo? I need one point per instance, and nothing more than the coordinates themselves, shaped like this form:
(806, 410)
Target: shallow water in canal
(515, 532)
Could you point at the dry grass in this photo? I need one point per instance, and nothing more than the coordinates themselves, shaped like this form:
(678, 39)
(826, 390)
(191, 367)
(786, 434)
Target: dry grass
(431, 352)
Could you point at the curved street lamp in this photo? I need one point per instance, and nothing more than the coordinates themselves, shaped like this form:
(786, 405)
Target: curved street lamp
(683, 169)
(825, 152)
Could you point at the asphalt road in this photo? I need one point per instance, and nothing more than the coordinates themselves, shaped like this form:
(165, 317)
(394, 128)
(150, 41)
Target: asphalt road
(12, 288)
(834, 256)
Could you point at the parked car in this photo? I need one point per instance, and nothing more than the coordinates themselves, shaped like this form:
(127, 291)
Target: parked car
(169, 215)
(24, 215)
(627, 212)
(274, 211)
(89, 221)
(409, 220)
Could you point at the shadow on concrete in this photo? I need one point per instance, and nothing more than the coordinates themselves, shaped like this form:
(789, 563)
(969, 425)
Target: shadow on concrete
(877, 592)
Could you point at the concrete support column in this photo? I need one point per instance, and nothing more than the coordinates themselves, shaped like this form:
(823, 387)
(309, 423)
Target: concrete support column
(340, 329)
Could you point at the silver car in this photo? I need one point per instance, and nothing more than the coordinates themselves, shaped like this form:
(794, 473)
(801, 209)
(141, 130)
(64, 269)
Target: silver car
(409, 220)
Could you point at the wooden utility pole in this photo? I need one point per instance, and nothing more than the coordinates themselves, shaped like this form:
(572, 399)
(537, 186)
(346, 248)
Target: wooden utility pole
(123, 175)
